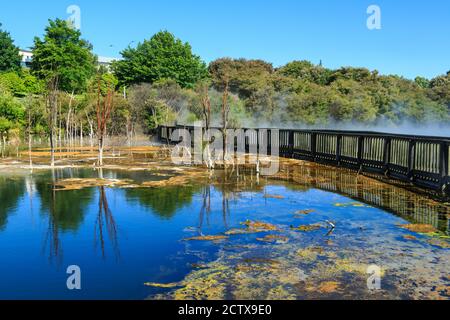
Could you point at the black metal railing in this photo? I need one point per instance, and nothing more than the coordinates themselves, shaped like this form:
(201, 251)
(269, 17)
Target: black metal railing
(421, 160)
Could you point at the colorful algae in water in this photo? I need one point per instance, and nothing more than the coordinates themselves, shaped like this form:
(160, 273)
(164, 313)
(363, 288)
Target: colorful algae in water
(233, 237)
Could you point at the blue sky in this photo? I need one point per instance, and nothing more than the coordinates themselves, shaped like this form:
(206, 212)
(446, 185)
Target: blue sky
(414, 38)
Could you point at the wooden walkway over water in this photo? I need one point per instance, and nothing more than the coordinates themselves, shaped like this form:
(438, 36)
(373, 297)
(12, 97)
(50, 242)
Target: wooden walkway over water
(420, 160)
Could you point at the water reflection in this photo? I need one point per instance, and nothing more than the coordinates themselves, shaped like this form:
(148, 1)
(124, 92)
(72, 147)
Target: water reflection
(411, 206)
(105, 220)
(165, 202)
(142, 228)
(11, 189)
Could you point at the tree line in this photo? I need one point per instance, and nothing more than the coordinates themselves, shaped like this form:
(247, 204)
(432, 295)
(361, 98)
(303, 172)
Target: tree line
(66, 98)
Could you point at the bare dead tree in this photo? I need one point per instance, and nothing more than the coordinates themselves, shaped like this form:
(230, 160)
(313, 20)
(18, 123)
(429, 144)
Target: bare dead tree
(103, 115)
(225, 114)
(206, 113)
(52, 108)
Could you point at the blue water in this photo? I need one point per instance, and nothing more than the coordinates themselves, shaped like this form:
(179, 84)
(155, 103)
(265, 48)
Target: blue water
(140, 238)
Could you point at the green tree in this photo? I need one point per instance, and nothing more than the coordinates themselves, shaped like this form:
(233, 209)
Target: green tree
(161, 57)
(440, 89)
(63, 54)
(305, 70)
(422, 82)
(9, 54)
(11, 109)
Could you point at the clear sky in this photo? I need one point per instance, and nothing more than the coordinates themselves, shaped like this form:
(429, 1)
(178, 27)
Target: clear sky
(414, 38)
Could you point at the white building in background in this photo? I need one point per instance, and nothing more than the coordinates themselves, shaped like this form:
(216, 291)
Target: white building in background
(27, 57)
(105, 61)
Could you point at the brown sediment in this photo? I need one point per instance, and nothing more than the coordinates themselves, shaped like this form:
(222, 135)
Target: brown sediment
(350, 204)
(77, 184)
(273, 238)
(419, 228)
(206, 238)
(304, 212)
(163, 285)
(309, 254)
(259, 226)
(326, 287)
(238, 231)
(408, 237)
(307, 228)
(273, 196)
(443, 244)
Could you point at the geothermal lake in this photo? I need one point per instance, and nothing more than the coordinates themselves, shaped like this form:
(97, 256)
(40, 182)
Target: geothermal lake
(229, 235)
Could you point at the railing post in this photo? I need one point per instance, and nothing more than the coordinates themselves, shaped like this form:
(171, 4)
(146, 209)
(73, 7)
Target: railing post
(443, 166)
(291, 143)
(360, 151)
(313, 145)
(387, 155)
(338, 149)
(411, 157)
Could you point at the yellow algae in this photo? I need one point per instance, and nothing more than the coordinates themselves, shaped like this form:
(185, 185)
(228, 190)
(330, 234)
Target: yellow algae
(304, 212)
(273, 196)
(419, 228)
(258, 225)
(443, 244)
(280, 293)
(205, 284)
(77, 184)
(328, 287)
(338, 266)
(307, 228)
(206, 238)
(238, 231)
(309, 254)
(163, 285)
(350, 204)
(273, 238)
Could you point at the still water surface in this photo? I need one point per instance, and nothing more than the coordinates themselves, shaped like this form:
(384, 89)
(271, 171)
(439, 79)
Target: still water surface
(122, 238)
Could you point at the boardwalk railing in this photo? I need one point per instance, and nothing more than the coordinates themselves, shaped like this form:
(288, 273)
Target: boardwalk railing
(421, 160)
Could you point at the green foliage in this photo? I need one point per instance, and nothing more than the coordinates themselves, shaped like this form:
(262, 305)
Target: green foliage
(63, 54)
(5, 125)
(245, 76)
(9, 53)
(422, 82)
(13, 83)
(11, 109)
(162, 102)
(161, 57)
(303, 93)
(440, 89)
(20, 84)
(305, 70)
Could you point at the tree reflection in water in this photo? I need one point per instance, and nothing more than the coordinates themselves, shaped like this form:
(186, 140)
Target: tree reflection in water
(205, 210)
(11, 190)
(105, 220)
(66, 211)
(52, 236)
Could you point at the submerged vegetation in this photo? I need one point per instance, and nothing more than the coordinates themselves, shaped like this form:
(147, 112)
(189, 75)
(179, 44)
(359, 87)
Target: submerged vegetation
(232, 242)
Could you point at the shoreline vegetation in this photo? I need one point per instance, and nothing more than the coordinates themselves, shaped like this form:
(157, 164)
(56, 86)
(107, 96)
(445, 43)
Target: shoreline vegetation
(65, 98)
(157, 159)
